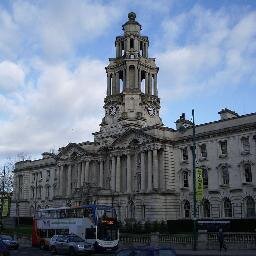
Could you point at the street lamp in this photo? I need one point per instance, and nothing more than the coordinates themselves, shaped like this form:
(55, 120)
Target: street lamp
(194, 182)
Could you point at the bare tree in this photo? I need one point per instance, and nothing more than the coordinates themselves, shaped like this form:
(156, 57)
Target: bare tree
(6, 172)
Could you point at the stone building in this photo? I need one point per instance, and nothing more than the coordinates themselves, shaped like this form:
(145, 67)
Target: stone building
(137, 164)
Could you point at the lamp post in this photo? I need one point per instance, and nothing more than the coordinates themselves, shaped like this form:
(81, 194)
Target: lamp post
(2, 197)
(194, 183)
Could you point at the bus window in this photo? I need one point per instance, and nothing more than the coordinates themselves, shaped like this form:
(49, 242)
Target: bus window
(90, 233)
(42, 232)
(51, 233)
(63, 214)
(88, 212)
(71, 213)
(79, 213)
(62, 232)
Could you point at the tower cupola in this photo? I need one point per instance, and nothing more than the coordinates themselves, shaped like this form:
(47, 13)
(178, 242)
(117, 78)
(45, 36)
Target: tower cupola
(132, 93)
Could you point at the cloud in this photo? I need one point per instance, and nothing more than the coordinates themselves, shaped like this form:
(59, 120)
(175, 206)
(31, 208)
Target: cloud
(205, 51)
(62, 106)
(11, 76)
(52, 28)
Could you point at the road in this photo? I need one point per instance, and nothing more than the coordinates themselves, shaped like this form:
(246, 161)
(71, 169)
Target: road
(32, 251)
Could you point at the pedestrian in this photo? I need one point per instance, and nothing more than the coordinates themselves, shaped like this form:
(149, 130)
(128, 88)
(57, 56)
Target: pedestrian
(221, 240)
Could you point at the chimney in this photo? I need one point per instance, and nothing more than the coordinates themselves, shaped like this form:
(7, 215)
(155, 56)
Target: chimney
(227, 114)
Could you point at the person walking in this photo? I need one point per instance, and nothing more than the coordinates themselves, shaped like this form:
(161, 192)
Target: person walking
(221, 240)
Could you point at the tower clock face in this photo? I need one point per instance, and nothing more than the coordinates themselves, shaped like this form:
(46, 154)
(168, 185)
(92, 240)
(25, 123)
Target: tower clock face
(112, 110)
(151, 110)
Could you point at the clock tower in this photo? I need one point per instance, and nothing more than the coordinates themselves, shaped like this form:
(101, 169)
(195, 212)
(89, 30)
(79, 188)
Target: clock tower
(132, 95)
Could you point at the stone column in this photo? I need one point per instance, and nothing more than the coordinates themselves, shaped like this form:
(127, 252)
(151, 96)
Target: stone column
(117, 49)
(108, 85)
(118, 173)
(146, 83)
(155, 169)
(149, 171)
(117, 83)
(127, 85)
(124, 79)
(101, 174)
(82, 174)
(78, 175)
(69, 180)
(86, 171)
(139, 79)
(129, 174)
(150, 83)
(113, 84)
(143, 172)
(136, 85)
(155, 85)
(113, 174)
(120, 48)
(146, 50)
(61, 180)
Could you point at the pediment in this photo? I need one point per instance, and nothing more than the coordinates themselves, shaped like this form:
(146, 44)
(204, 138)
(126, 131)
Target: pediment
(71, 151)
(132, 137)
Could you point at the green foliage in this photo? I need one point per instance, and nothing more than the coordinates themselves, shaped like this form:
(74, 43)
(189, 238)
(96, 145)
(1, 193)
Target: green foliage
(19, 230)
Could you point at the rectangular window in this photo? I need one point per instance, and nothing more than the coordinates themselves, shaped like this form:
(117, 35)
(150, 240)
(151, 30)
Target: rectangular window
(245, 145)
(185, 179)
(20, 186)
(184, 152)
(48, 175)
(223, 147)
(47, 194)
(203, 151)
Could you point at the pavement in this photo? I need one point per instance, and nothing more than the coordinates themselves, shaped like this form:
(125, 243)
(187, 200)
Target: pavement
(217, 252)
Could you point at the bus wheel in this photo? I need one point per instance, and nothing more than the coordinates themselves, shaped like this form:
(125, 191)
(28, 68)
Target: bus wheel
(72, 251)
(42, 245)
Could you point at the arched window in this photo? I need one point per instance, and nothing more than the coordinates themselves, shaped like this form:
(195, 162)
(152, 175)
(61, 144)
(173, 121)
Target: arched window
(131, 43)
(250, 207)
(227, 208)
(206, 209)
(187, 209)
(185, 179)
(225, 175)
(248, 173)
(205, 178)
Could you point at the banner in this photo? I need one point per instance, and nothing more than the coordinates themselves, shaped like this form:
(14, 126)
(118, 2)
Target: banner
(5, 207)
(199, 185)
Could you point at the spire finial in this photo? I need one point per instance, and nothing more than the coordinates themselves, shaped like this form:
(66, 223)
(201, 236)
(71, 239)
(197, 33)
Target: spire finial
(132, 16)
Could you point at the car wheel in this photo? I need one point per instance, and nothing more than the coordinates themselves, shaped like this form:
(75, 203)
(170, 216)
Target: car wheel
(54, 250)
(72, 251)
(42, 245)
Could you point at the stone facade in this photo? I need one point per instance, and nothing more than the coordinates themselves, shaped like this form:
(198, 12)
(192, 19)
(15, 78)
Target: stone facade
(138, 165)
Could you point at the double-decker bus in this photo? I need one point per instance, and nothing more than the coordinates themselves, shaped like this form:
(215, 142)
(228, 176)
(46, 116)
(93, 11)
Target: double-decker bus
(97, 224)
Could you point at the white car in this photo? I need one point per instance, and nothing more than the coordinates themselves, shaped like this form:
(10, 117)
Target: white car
(69, 244)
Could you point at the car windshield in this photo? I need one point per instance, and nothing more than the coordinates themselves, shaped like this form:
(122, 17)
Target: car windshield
(4, 237)
(75, 239)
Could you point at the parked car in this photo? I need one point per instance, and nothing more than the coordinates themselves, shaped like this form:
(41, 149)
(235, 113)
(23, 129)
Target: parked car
(3, 249)
(70, 244)
(10, 242)
(146, 251)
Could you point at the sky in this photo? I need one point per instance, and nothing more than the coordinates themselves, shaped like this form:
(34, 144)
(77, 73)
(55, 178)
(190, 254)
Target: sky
(53, 55)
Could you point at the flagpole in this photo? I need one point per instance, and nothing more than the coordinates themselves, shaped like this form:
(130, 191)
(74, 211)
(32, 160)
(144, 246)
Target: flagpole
(194, 184)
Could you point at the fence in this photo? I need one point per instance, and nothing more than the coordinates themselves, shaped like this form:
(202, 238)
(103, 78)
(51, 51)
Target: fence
(185, 241)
